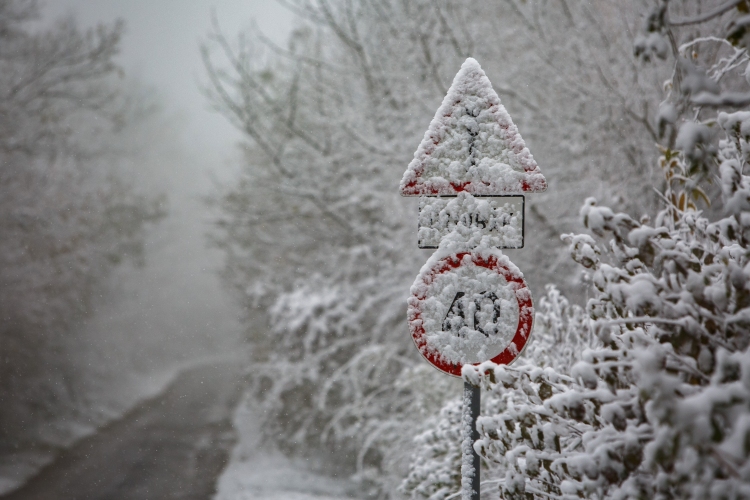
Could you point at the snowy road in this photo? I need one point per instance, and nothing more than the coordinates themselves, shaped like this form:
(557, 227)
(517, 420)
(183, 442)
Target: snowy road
(195, 438)
(173, 446)
(256, 472)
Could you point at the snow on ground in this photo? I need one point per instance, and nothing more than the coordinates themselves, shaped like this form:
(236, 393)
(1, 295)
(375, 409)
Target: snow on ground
(134, 388)
(17, 468)
(256, 473)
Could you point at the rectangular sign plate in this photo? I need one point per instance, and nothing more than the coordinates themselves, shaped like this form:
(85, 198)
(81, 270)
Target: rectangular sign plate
(499, 217)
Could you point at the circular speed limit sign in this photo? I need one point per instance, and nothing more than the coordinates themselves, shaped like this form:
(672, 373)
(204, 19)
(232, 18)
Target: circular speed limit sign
(470, 307)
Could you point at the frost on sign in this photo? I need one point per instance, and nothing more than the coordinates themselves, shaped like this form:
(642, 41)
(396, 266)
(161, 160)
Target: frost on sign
(499, 218)
(469, 307)
(472, 146)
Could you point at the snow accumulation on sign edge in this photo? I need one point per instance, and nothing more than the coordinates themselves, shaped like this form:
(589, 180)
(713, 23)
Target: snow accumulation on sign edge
(472, 146)
(490, 260)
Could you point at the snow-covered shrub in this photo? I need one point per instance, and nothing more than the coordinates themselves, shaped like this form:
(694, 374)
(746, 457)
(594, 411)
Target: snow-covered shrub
(656, 404)
(320, 248)
(646, 393)
(659, 404)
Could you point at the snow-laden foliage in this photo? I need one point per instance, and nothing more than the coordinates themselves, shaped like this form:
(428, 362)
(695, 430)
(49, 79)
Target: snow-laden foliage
(320, 248)
(658, 405)
(654, 402)
(66, 218)
(661, 408)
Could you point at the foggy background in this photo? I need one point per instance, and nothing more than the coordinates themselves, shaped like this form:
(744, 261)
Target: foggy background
(175, 307)
(177, 297)
(148, 322)
(204, 256)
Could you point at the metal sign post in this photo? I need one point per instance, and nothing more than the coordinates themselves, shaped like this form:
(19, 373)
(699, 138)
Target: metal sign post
(470, 303)
(470, 477)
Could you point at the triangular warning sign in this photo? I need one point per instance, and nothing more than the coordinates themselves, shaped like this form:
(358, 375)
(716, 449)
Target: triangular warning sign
(472, 146)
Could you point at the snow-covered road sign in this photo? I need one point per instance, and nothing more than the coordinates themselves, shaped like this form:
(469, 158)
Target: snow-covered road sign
(500, 218)
(472, 146)
(470, 307)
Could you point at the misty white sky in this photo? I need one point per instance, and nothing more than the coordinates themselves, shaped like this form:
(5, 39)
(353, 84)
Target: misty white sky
(177, 302)
(160, 48)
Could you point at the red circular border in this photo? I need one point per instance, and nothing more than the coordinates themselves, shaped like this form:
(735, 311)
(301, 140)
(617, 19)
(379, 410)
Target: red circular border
(525, 312)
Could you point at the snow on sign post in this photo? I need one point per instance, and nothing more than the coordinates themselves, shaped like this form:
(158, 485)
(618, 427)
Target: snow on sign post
(470, 303)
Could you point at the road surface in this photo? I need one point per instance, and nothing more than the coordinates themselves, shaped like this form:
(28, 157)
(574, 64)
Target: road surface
(174, 446)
